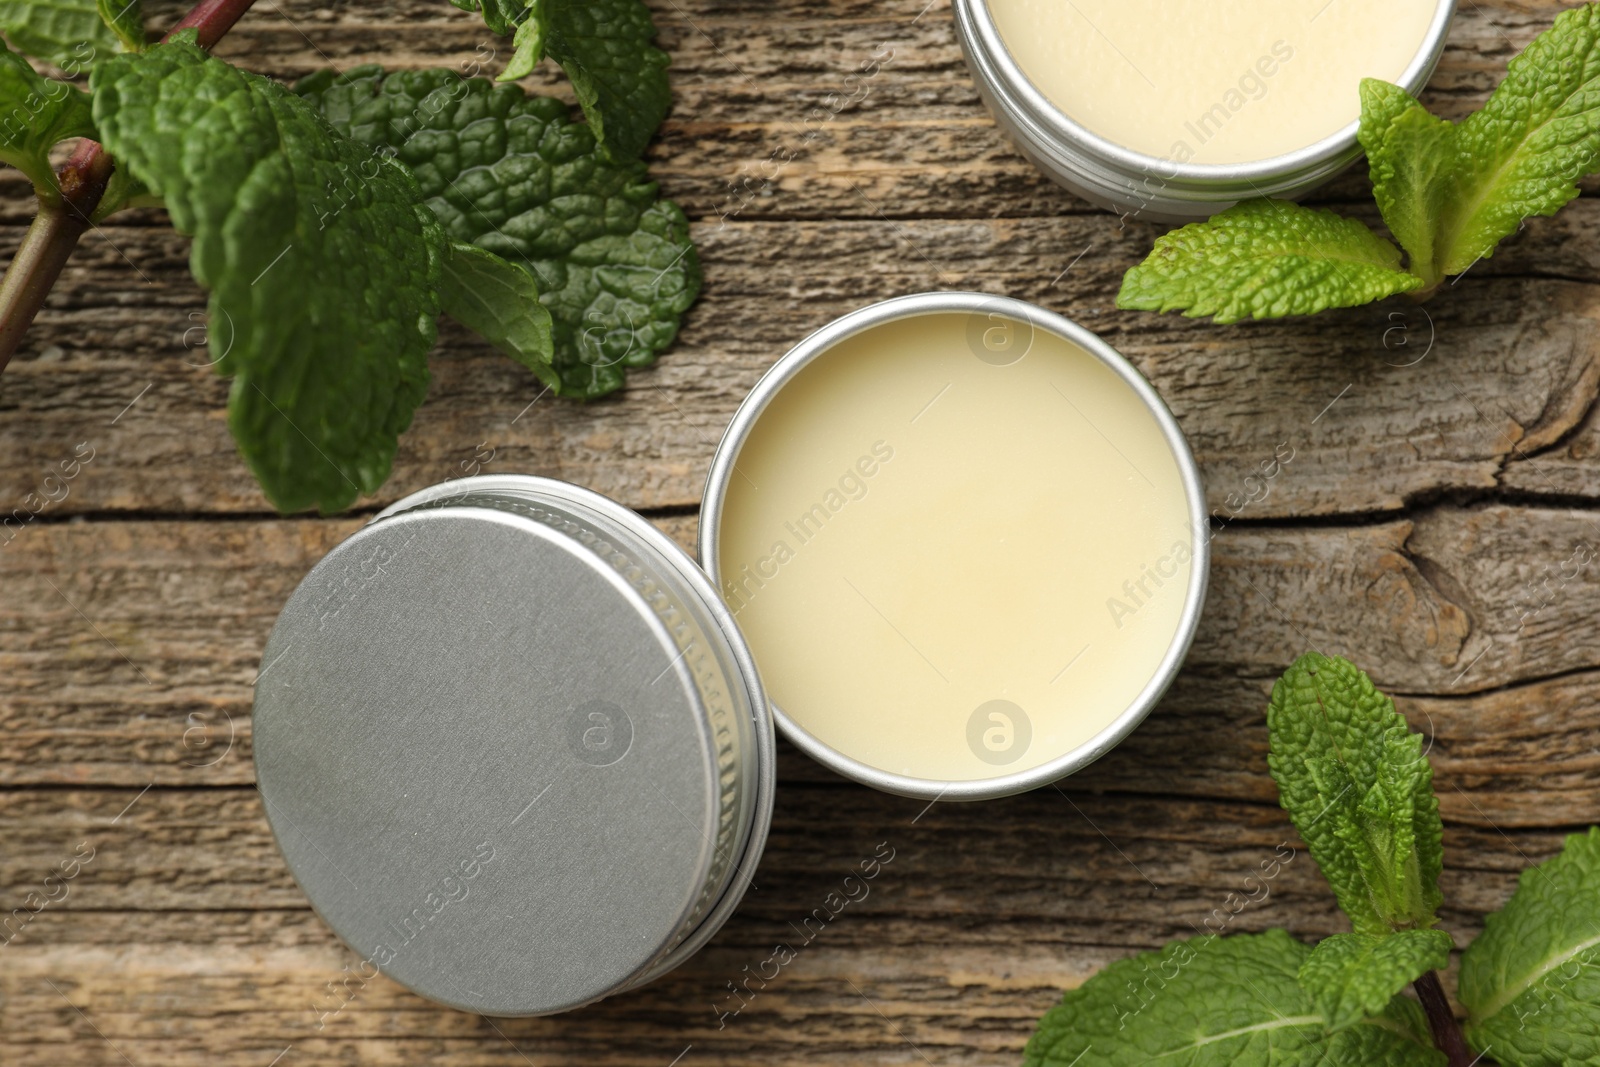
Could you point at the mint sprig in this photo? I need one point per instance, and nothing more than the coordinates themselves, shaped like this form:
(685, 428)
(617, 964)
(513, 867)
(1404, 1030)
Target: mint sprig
(327, 259)
(1358, 789)
(1449, 193)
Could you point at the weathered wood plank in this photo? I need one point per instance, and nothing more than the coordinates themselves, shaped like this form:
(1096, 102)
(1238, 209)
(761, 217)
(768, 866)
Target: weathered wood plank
(131, 647)
(984, 912)
(1382, 405)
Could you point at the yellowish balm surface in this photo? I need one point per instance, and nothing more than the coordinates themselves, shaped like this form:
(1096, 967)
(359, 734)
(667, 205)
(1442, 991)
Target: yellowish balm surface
(1211, 81)
(952, 567)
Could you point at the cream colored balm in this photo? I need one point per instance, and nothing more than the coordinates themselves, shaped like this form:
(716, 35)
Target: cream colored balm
(958, 546)
(1211, 81)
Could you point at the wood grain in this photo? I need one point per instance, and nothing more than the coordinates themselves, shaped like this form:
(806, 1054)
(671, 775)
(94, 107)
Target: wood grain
(1445, 484)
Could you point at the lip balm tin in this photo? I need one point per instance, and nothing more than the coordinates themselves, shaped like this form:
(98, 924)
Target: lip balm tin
(1128, 182)
(513, 748)
(980, 310)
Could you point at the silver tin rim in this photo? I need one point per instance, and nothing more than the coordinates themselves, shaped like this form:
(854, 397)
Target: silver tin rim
(667, 556)
(1116, 177)
(800, 356)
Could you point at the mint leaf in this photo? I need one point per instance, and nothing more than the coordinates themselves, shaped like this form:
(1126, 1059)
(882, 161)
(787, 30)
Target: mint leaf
(513, 174)
(619, 76)
(605, 48)
(1265, 259)
(1413, 159)
(499, 300)
(527, 50)
(1212, 1002)
(1531, 982)
(37, 113)
(1536, 136)
(1352, 976)
(322, 263)
(1353, 779)
(618, 300)
(501, 16)
(62, 31)
(125, 18)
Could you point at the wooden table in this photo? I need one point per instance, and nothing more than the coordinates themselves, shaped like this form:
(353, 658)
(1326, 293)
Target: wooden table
(1446, 473)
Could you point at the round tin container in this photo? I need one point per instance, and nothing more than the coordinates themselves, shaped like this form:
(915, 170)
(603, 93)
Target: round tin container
(1134, 183)
(981, 310)
(513, 748)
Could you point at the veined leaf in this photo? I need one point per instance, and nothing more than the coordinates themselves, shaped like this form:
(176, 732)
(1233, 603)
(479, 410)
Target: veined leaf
(512, 174)
(1524, 152)
(1353, 779)
(1219, 1002)
(1265, 259)
(35, 114)
(322, 262)
(1531, 981)
(1414, 161)
(1352, 976)
(500, 300)
(69, 33)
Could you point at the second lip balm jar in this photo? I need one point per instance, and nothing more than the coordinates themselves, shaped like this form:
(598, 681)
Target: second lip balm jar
(965, 540)
(1175, 109)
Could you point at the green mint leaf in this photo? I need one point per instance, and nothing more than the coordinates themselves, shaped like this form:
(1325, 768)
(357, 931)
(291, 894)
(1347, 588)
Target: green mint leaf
(69, 33)
(513, 174)
(1265, 259)
(501, 16)
(1413, 159)
(1352, 976)
(500, 300)
(528, 48)
(323, 264)
(1523, 154)
(125, 18)
(1219, 1002)
(36, 113)
(1381, 103)
(1355, 783)
(619, 76)
(1531, 981)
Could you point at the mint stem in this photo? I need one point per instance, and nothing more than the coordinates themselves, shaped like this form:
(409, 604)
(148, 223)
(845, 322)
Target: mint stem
(45, 248)
(1442, 1021)
(55, 230)
(212, 18)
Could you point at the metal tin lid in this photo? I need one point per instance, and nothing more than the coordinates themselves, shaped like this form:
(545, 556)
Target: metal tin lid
(511, 761)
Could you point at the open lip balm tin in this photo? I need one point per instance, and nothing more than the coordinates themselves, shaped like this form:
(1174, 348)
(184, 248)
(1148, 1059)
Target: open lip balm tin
(513, 748)
(965, 540)
(1192, 111)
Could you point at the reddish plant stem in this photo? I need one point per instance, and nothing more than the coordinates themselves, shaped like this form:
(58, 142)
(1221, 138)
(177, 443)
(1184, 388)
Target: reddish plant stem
(58, 226)
(212, 18)
(1447, 1035)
